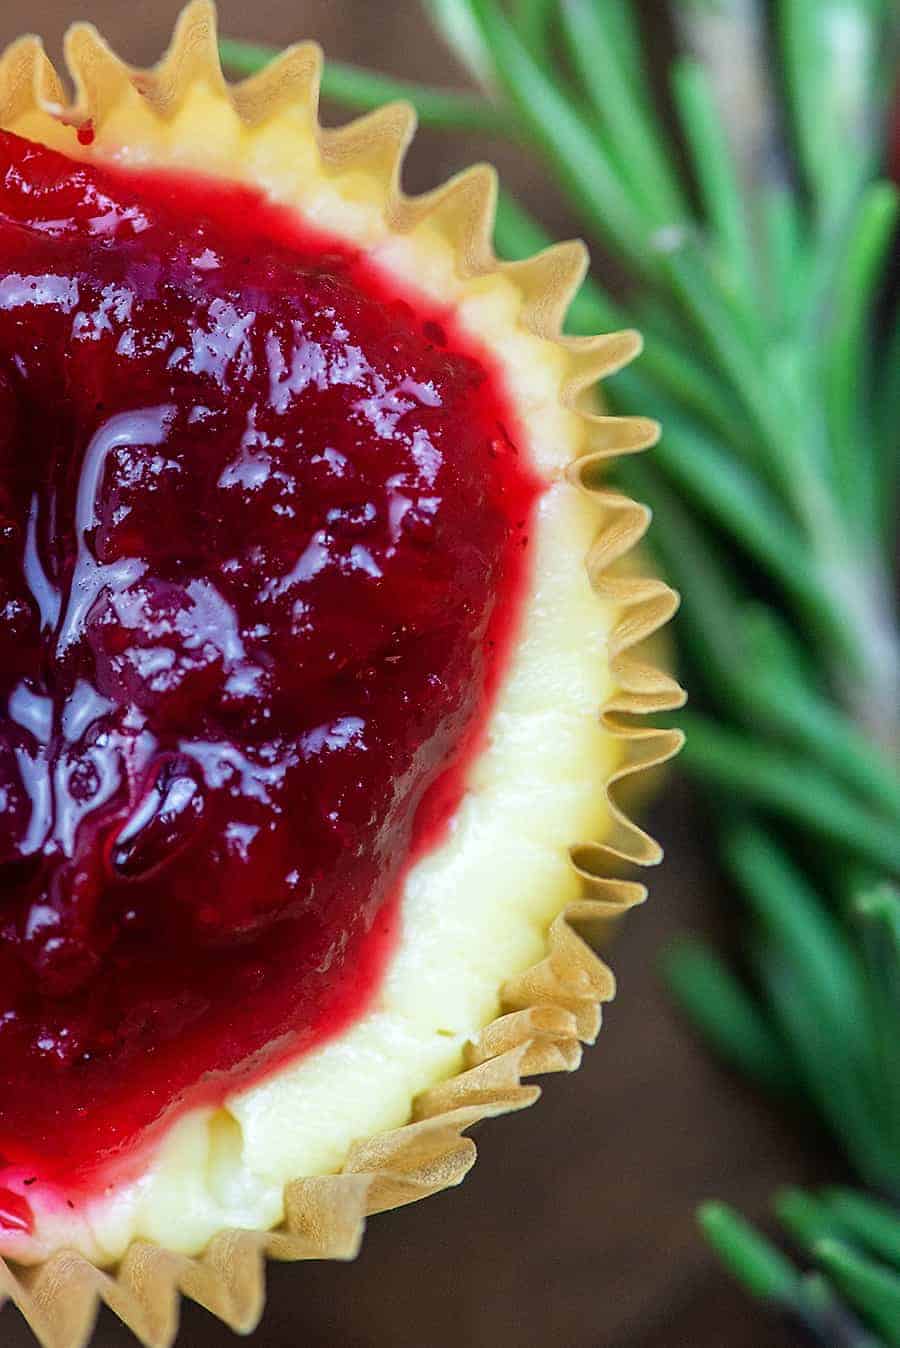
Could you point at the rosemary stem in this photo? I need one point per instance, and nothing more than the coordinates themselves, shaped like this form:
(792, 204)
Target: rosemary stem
(760, 1267)
(874, 1223)
(362, 90)
(532, 18)
(719, 186)
(877, 912)
(874, 1289)
(583, 165)
(846, 382)
(711, 995)
(807, 1219)
(790, 789)
(624, 115)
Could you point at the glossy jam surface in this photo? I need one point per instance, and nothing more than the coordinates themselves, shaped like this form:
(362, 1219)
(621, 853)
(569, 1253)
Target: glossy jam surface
(263, 541)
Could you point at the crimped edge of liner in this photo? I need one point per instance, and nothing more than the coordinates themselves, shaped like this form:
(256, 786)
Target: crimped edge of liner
(549, 1010)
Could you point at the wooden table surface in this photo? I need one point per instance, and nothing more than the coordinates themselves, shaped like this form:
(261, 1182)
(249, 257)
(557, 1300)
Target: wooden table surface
(575, 1228)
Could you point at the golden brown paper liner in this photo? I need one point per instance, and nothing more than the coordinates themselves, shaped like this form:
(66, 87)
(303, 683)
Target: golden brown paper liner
(550, 1009)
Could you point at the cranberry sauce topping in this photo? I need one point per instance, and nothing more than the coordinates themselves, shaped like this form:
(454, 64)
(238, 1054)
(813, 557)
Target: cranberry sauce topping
(263, 539)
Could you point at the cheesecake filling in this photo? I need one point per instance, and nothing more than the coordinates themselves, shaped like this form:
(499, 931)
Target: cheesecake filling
(264, 541)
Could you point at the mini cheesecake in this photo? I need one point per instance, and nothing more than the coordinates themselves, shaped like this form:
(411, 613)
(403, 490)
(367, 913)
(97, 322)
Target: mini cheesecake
(308, 612)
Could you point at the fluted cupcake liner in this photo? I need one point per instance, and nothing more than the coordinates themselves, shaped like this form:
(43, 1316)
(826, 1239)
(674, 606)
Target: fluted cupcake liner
(551, 1009)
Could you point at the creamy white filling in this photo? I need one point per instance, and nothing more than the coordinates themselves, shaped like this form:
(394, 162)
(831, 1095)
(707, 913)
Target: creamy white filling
(476, 910)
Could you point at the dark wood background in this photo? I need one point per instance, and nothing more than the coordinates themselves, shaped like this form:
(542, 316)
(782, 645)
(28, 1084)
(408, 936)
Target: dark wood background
(576, 1227)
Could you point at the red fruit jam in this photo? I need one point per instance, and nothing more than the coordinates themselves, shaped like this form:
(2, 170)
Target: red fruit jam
(263, 541)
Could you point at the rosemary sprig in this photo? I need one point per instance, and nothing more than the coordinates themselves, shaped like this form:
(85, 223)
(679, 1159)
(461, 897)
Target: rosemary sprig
(758, 278)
